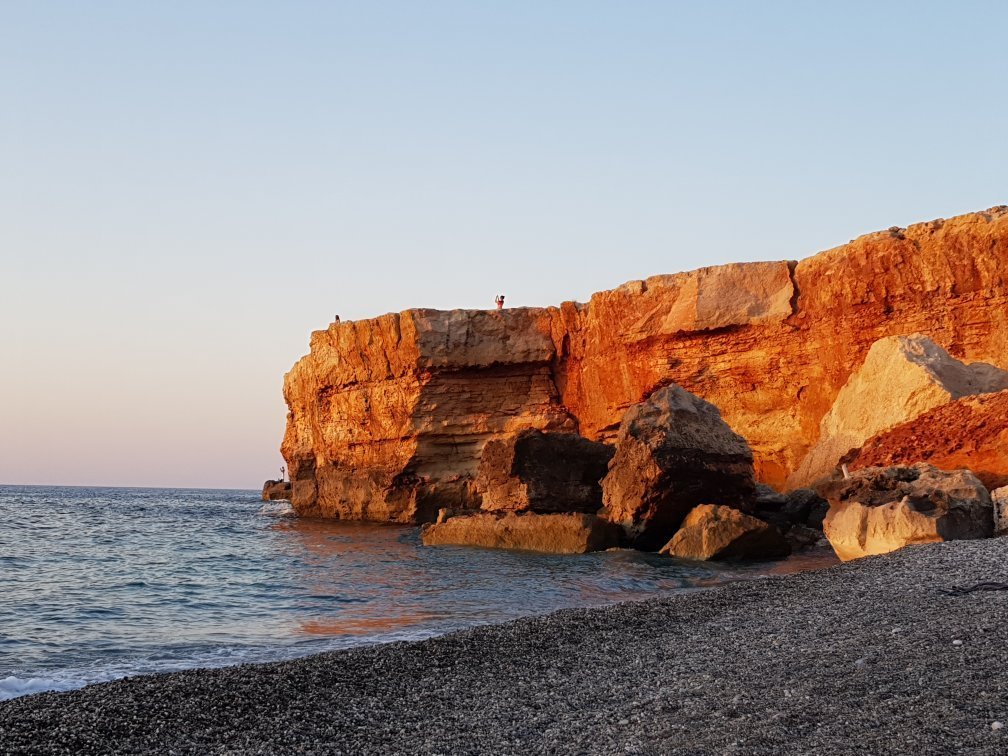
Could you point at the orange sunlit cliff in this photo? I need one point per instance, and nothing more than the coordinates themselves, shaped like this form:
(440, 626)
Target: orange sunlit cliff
(388, 416)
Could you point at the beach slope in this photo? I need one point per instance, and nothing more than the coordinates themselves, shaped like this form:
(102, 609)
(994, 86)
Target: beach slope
(866, 657)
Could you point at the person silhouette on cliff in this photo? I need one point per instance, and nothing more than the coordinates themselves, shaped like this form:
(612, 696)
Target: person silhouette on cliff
(283, 474)
(500, 301)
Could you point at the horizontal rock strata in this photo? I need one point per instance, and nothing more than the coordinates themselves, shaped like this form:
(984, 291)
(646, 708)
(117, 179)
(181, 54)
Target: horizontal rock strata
(388, 416)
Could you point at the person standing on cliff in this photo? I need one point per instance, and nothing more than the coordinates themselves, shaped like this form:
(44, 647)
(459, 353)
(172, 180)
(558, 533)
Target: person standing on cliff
(500, 301)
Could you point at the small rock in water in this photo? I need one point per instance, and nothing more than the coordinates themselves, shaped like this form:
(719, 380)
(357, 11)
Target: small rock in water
(997, 725)
(957, 642)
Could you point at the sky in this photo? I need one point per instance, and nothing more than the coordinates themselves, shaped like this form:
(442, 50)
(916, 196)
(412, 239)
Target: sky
(189, 188)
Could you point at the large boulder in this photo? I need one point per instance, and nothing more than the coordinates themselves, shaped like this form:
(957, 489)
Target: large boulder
(551, 533)
(720, 533)
(971, 433)
(673, 452)
(902, 377)
(542, 472)
(881, 509)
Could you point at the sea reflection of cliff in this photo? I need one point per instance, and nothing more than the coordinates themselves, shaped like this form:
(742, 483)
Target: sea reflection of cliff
(356, 579)
(331, 559)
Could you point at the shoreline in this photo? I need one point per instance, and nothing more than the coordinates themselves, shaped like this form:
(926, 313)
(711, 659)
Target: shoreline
(855, 658)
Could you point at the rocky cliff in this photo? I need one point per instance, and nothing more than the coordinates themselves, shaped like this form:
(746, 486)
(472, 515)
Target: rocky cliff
(387, 417)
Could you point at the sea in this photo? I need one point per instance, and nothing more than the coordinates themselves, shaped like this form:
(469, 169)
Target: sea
(102, 583)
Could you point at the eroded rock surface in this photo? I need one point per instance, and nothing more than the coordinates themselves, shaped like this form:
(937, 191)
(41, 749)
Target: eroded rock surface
(388, 416)
(550, 533)
(673, 452)
(712, 532)
(881, 509)
(275, 490)
(969, 433)
(542, 472)
(901, 378)
(999, 497)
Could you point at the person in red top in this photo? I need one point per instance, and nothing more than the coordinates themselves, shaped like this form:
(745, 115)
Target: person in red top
(500, 301)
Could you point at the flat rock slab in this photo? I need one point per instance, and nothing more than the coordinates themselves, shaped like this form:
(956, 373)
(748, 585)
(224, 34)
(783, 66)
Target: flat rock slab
(855, 659)
(548, 533)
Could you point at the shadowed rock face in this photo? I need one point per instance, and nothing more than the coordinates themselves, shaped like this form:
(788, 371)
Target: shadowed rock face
(388, 417)
(543, 472)
(673, 452)
(881, 509)
(970, 432)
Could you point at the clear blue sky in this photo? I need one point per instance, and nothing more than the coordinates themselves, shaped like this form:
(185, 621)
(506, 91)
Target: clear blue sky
(187, 189)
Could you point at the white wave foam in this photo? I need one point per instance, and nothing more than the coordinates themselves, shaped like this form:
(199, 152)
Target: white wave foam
(221, 656)
(12, 687)
(276, 509)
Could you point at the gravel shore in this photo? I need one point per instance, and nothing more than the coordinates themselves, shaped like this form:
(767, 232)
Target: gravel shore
(867, 657)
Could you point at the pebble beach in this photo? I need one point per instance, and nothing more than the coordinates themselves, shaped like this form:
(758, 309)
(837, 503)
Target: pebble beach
(871, 656)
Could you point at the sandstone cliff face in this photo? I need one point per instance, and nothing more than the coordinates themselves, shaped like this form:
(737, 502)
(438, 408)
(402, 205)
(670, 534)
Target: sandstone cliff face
(387, 417)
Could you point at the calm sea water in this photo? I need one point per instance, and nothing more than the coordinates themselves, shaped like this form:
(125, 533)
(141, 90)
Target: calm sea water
(100, 583)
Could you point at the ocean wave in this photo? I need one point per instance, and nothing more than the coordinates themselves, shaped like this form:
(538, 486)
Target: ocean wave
(276, 509)
(58, 680)
(13, 687)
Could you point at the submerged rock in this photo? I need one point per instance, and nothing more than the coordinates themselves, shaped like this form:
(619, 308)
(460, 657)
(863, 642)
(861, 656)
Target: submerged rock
(881, 509)
(673, 452)
(719, 533)
(550, 533)
(901, 378)
(542, 472)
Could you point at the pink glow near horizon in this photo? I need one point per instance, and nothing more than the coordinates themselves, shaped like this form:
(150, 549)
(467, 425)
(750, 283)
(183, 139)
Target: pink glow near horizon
(189, 189)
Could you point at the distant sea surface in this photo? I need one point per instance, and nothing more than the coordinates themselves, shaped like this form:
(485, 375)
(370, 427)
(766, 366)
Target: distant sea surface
(101, 583)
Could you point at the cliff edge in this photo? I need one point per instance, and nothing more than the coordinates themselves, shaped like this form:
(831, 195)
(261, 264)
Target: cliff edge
(388, 416)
